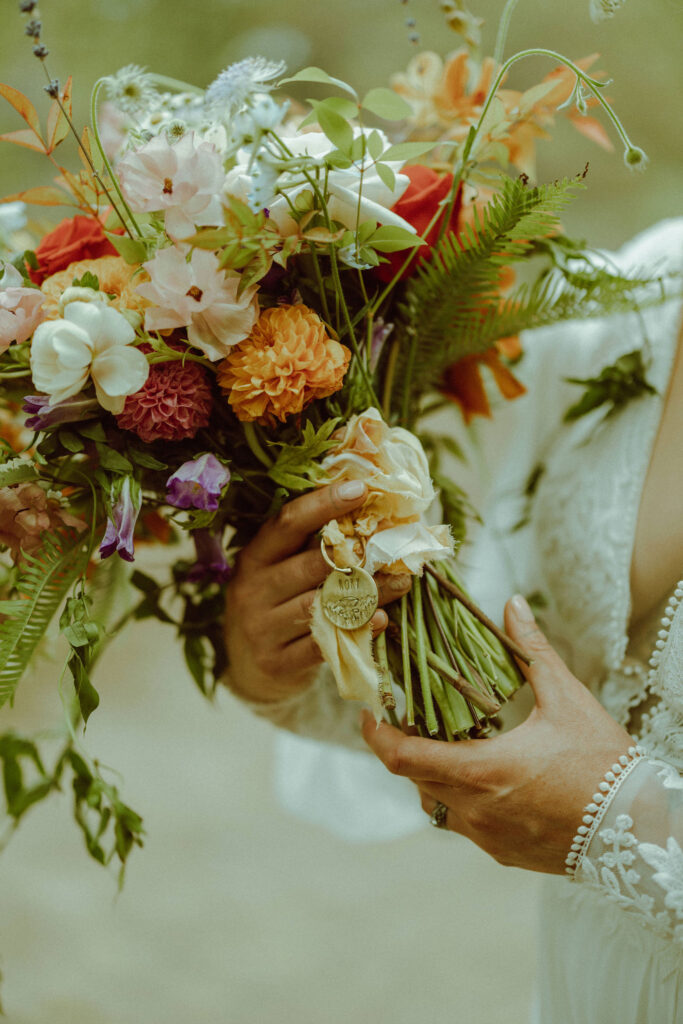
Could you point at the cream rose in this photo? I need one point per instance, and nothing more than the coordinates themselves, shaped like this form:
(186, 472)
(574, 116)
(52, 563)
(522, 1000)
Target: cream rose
(92, 341)
(389, 531)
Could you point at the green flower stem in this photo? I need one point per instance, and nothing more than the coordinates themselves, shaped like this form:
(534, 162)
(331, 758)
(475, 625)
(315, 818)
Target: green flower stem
(405, 658)
(389, 374)
(591, 84)
(386, 693)
(421, 657)
(503, 27)
(252, 440)
(176, 83)
(452, 588)
(105, 159)
(443, 702)
(319, 280)
(441, 642)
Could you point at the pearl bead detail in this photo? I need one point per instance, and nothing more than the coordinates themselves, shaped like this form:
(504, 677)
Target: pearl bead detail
(594, 812)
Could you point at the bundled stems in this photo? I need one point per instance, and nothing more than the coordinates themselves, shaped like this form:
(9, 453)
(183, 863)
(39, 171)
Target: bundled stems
(421, 657)
(502, 637)
(405, 658)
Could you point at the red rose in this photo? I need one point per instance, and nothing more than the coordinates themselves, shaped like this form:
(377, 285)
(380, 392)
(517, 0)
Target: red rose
(417, 205)
(76, 238)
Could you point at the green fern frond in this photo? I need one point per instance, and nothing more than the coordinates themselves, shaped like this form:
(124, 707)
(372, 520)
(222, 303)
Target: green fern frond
(450, 294)
(557, 296)
(42, 586)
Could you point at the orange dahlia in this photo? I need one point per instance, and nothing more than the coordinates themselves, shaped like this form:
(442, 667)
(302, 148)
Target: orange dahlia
(287, 361)
(115, 276)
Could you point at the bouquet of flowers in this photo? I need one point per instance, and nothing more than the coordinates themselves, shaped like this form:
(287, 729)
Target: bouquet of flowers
(254, 296)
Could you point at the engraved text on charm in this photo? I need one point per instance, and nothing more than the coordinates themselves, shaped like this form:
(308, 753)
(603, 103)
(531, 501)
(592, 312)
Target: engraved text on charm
(349, 598)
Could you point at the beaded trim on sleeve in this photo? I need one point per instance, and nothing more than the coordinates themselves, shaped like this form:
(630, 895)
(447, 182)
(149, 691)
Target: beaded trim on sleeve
(594, 812)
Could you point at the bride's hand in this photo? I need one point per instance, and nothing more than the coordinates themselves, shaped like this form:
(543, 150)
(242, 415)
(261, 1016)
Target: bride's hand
(519, 796)
(268, 601)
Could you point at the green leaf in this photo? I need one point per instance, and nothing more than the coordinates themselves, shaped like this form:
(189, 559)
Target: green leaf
(113, 460)
(375, 145)
(88, 280)
(41, 587)
(407, 151)
(386, 175)
(17, 471)
(314, 74)
(133, 250)
(87, 695)
(336, 128)
(295, 467)
(337, 104)
(392, 239)
(70, 441)
(146, 460)
(387, 104)
(94, 431)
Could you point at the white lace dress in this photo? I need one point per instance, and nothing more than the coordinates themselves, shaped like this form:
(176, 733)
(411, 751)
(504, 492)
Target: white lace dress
(612, 940)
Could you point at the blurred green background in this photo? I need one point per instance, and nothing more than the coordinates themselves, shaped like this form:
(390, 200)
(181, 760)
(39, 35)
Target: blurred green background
(365, 41)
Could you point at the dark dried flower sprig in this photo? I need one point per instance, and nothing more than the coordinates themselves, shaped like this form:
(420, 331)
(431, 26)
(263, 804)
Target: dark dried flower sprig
(33, 28)
(27, 6)
(41, 51)
(52, 88)
(411, 25)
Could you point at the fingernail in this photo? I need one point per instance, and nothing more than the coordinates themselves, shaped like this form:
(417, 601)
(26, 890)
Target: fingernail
(522, 609)
(351, 490)
(380, 620)
(402, 582)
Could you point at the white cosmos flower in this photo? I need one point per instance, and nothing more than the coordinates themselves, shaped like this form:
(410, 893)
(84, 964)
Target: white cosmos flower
(343, 185)
(91, 341)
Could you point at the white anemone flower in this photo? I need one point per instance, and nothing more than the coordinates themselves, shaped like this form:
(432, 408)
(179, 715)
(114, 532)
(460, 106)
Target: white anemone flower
(92, 341)
(343, 186)
(198, 294)
(183, 178)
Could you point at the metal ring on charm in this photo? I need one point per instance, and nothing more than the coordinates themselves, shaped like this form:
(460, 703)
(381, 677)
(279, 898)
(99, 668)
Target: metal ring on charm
(349, 596)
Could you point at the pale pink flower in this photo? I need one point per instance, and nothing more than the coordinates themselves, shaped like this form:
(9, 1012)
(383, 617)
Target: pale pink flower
(198, 295)
(20, 308)
(27, 513)
(184, 179)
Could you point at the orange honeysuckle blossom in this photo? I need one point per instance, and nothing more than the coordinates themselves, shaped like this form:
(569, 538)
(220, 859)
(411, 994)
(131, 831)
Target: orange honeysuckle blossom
(463, 383)
(447, 98)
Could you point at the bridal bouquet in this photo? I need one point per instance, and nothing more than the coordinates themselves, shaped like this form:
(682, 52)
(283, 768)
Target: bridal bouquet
(253, 296)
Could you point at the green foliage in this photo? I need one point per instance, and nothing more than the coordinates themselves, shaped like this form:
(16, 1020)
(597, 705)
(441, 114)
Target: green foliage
(614, 386)
(16, 471)
(387, 104)
(314, 74)
(41, 587)
(83, 635)
(295, 467)
(19, 755)
(452, 299)
(87, 281)
(110, 828)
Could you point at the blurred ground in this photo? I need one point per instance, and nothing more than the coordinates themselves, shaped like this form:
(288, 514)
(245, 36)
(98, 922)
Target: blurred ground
(235, 913)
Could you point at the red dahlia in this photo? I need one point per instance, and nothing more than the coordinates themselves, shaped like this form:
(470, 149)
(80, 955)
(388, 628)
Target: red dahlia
(173, 404)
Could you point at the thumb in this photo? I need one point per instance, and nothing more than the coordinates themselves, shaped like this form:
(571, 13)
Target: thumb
(547, 669)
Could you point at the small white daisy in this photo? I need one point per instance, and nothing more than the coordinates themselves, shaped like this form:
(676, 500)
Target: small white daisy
(131, 89)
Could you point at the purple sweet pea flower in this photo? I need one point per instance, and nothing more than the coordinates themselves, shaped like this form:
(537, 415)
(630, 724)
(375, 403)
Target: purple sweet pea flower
(121, 524)
(198, 483)
(42, 415)
(380, 333)
(211, 566)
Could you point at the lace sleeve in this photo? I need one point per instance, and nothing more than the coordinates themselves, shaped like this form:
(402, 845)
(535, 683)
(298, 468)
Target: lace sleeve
(633, 854)
(318, 713)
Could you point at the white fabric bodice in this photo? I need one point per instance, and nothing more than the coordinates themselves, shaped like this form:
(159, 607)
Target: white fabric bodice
(577, 550)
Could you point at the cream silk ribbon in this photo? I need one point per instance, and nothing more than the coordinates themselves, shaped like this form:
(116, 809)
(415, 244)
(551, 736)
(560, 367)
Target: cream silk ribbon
(348, 652)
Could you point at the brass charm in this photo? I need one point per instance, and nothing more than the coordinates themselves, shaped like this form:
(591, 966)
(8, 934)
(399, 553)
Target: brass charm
(349, 597)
